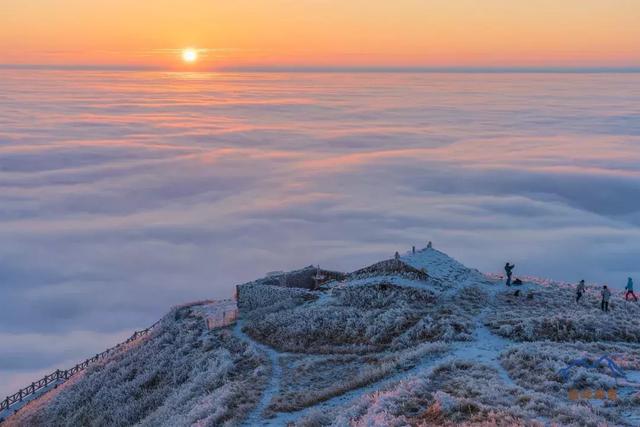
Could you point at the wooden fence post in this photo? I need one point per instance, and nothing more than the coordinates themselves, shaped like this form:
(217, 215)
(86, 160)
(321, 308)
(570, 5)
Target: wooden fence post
(64, 375)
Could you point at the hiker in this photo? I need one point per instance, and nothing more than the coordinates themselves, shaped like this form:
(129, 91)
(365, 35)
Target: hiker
(508, 268)
(606, 294)
(579, 291)
(629, 289)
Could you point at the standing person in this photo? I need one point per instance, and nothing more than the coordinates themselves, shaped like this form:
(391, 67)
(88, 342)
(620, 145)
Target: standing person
(629, 289)
(606, 294)
(508, 268)
(579, 291)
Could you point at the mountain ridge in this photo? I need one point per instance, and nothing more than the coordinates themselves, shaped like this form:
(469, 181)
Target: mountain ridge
(419, 339)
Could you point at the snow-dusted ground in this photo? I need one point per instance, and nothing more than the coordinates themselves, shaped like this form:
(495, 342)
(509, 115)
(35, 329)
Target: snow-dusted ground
(485, 349)
(483, 300)
(482, 350)
(16, 407)
(439, 265)
(182, 374)
(393, 280)
(285, 418)
(256, 416)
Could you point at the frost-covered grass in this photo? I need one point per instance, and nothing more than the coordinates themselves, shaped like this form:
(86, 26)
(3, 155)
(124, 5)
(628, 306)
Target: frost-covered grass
(458, 393)
(443, 268)
(181, 375)
(420, 342)
(382, 295)
(536, 366)
(451, 319)
(258, 296)
(552, 314)
(308, 380)
(363, 318)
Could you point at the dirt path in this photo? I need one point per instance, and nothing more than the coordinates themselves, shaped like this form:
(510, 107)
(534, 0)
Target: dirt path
(485, 349)
(256, 417)
(424, 366)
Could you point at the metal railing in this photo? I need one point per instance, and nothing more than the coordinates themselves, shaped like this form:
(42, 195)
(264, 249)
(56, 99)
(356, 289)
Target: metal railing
(60, 376)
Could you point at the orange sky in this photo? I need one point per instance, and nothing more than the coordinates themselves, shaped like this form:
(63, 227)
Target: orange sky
(428, 33)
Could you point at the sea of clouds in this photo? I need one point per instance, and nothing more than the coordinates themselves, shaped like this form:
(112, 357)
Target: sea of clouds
(123, 193)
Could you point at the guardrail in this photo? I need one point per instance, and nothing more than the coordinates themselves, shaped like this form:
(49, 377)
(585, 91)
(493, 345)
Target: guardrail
(60, 376)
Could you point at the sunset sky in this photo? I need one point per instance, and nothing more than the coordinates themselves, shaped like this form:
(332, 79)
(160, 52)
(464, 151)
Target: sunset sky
(324, 33)
(124, 191)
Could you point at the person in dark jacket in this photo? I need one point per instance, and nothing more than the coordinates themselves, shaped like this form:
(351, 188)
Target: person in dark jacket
(579, 291)
(508, 268)
(629, 289)
(606, 295)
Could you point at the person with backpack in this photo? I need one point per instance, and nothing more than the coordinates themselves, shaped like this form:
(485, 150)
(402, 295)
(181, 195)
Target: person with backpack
(579, 291)
(629, 289)
(606, 295)
(508, 268)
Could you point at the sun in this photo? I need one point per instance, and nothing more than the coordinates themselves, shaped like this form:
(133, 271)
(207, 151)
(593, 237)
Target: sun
(189, 55)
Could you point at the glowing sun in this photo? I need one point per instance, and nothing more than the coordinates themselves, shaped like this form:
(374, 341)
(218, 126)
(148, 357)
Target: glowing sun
(189, 55)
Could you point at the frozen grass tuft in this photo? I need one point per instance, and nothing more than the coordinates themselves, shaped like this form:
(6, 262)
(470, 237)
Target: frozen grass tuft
(552, 314)
(182, 375)
(360, 319)
(459, 393)
(308, 380)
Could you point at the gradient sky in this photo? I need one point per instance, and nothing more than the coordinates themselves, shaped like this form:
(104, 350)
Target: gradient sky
(573, 33)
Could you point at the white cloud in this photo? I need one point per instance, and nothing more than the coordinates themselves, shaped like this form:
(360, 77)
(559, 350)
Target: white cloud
(122, 194)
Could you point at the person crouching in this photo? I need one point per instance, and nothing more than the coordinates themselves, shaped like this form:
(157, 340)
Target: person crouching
(629, 289)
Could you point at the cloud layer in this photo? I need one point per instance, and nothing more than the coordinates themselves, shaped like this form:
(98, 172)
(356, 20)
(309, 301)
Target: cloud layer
(124, 193)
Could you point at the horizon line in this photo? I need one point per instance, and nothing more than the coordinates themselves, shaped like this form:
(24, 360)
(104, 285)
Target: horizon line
(329, 69)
